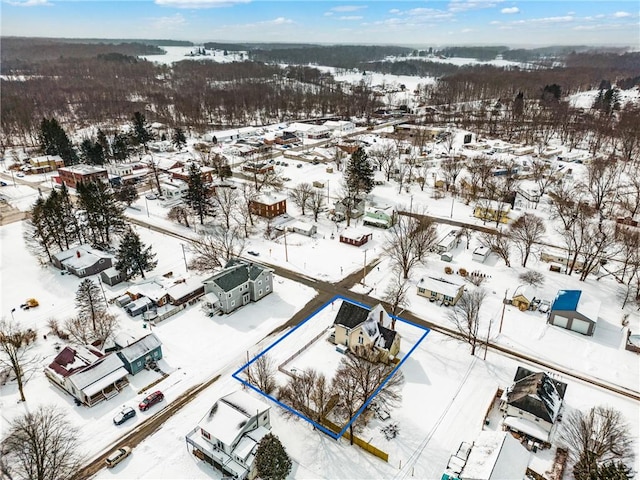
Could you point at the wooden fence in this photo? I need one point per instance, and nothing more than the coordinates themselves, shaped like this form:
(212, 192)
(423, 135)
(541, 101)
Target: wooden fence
(357, 440)
(298, 352)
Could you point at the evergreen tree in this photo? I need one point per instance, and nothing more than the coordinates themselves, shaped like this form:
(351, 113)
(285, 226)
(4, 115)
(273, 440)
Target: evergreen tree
(54, 141)
(127, 194)
(120, 147)
(272, 461)
(518, 105)
(89, 301)
(142, 134)
(133, 257)
(198, 195)
(101, 139)
(179, 139)
(614, 471)
(91, 152)
(104, 214)
(359, 173)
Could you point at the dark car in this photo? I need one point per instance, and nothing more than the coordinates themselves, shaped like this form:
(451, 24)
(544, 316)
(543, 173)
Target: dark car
(155, 397)
(251, 252)
(4, 184)
(124, 415)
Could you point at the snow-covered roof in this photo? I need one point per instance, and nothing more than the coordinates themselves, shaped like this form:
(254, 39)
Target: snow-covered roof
(184, 288)
(588, 306)
(440, 285)
(81, 256)
(140, 348)
(496, 456)
(152, 289)
(354, 233)
(527, 427)
(306, 227)
(526, 291)
(536, 393)
(108, 367)
(229, 415)
(83, 169)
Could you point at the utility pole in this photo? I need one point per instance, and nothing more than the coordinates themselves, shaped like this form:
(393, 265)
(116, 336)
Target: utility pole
(184, 257)
(486, 345)
(364, 271)
(286, 251)
(504, 303)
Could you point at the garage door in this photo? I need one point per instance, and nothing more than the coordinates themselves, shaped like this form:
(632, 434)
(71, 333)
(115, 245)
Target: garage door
(580, 326)
(560, 321)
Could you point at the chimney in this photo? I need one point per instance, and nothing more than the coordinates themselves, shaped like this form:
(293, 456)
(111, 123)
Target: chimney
(381, 315)
(78, 253)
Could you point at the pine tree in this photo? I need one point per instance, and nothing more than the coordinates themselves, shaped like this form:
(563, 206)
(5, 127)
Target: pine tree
(104, 213)
(272, 461)
(359, 173)
(54, 141)
(198, 195)
(91, 152)
(179, 139)
(142, 134)
(133, 257)
(89, 301)
(614, 471)
(120, 147)
(101, 139)
(127, 194)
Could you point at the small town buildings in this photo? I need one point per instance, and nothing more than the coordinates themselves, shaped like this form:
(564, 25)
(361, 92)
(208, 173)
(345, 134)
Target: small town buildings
(45, 163)
(257, 167)
(82, 260)
(440, 290)
(379, 217)
(174, 189)
(560, 258)
(287, 138)
(491, 456)
(182, 173)
(532, 404)
(303, 228)
(81, 173)
(308, 130)
(111, 276)
(522, 297)
(269, 205)
(449, 241)
(492, 211)
(358, 328)
(137, 353)
(238, 284)
(185, 290)
(355, 236)
(139, 306)
(87, 374)
(481, 253)
(340, 127)
(357, 207)
(575, 310)
(227, 437)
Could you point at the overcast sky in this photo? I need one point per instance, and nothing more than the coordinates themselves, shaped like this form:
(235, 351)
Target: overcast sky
(427, 23)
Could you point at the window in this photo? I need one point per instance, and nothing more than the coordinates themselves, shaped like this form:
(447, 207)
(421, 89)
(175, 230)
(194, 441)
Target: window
(434, 294)
(360, 340)
(260, 292)
(228, 295)
(233, 303)
(264, 417)
(259, 282)
(205, 434)
(267, 288)
(421, 290)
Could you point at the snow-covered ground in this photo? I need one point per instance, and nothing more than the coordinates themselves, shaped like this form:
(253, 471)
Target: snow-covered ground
(177, 54)
(586, 99)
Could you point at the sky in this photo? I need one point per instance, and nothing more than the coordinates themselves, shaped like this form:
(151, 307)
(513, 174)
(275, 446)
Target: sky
(426, 23)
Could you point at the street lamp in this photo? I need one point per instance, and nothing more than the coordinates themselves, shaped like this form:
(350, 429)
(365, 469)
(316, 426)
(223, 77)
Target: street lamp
(12, 310)
(184, 257)
(147, 205)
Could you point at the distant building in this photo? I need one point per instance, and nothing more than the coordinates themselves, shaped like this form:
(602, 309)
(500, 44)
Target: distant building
(269, 206)
(491, 211)
(82, 173)
(383, 217)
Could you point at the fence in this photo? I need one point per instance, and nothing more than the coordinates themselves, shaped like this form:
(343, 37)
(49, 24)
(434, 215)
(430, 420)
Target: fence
(298, 352)
(357, 440)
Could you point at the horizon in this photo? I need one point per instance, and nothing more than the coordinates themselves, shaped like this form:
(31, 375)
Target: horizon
(517, 24)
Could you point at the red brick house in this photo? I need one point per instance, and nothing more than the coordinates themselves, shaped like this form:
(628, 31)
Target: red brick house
(81, 173)
(269, 206)
(182, 173)
(354, 236)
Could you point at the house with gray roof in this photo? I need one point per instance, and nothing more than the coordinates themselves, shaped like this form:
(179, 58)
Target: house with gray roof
(82, 260)
(227, 437)
(239, 283)
(358, 328)
(532, 404)
(138, 353)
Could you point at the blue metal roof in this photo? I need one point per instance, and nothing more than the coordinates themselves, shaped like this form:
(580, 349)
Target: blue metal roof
(566, 300)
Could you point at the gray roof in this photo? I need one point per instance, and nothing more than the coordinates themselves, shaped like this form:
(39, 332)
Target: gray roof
(236, 273)
(388, 335)
(536, 393)
(351, 315)
(140, 348)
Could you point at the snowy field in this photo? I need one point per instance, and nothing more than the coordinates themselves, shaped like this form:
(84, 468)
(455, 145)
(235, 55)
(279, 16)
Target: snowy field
(177, 54)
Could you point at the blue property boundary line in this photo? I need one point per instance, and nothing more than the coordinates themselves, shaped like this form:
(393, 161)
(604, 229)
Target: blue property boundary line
(332, 434)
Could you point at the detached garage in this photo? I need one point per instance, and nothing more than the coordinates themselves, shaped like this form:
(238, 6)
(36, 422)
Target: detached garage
(575, 311)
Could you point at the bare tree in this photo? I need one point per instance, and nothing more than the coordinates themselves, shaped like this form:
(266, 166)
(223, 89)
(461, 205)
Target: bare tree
(42, 445)
(499, 243)
(479, 172)
(602, 179)
(597, 239)
(301, 195)
(16, 352)
(226, 202)
(384, 156)
(532, 277)
(409, 241)
(540, 173)
(357, 377)
(99, 330)
(213, 250)
(465, 315)
(525, 232)
(308, 392)
(179, 214)
(594, 438)
(262, 373)
(450, 168)
(316, 203)
(396, 295)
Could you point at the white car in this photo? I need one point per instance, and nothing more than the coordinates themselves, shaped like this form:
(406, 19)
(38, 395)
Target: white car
(117, 456)
(545, 306)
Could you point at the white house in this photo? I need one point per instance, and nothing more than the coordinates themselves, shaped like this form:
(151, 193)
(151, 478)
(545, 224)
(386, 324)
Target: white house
(339, 127)
(174, 190)
(228, 436)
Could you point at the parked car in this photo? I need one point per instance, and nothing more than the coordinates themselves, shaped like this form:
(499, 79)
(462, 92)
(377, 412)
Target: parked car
(4, 184)
(150, 196)
(255, 254)
(124, 415)
(117, 456)
(545, 306)
(152, 399)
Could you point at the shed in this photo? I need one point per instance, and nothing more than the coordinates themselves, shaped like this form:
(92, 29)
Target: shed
(123, 300)
(111, 276)
(139, 306)
(303, 228)
(575, 311)
(354, 236)
(522, 297)
(481, 253)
